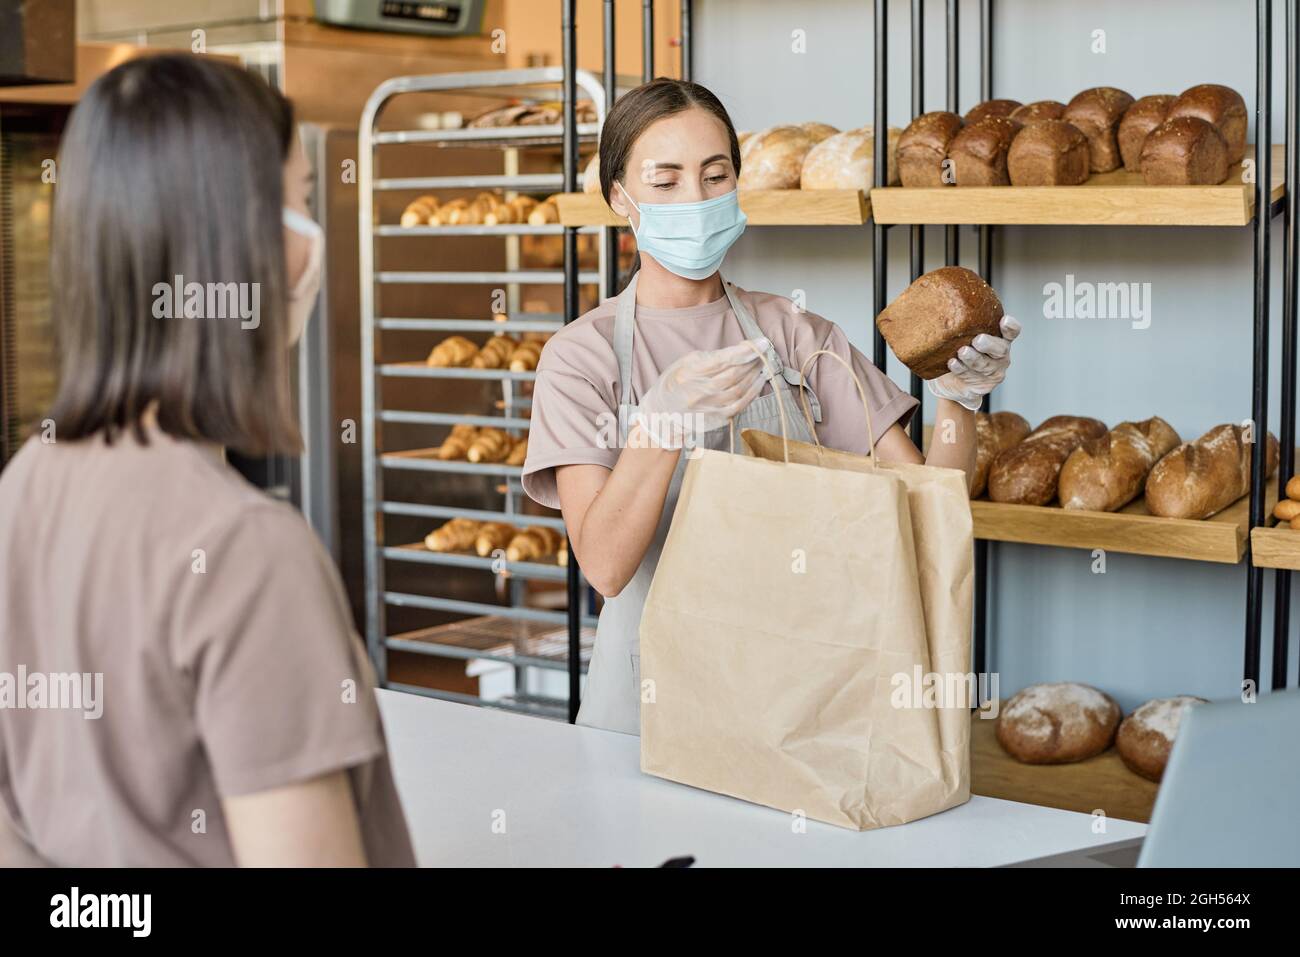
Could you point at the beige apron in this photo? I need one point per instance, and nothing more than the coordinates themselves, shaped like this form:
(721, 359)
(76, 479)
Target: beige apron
(612, 699)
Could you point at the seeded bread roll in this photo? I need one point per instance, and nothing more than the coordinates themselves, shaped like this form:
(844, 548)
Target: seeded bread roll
(848, 161)
(1146, 737)
(989, 108)
(1201, 478)
(1038, 111)
(1105, 474)
(994, 434)
(979, 151)
(1139, 120)
(1027, 474)
(924, 146)
(1048, 153)
(1221, 106)
(773, 158)
(1097, 113)
(938, 314)
(1057, 723)
(1184, 151)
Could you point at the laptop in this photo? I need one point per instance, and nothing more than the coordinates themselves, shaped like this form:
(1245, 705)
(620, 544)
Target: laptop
(1228, 796)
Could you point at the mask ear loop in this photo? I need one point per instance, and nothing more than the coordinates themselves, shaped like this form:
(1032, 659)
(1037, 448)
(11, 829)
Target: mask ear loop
(628, 197)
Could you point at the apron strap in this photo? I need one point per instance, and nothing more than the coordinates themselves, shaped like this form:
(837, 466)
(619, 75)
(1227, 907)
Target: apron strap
(624, 329)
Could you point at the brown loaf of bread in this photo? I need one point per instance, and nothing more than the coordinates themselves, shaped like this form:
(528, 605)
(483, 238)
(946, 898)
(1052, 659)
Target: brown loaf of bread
(773, 158)
(1038, 111)
(981, 111)
(924, 146)
(848, 161)
(1146, 737)
(1026, 474)
(936, 315)
(1184, 151)
(979, 151)
(1105, 474)
(1221, 106)
(1048, 153)
(1139, 120)
(994, 434)
(1200, 478)
(1097, 113)
(1057, 723)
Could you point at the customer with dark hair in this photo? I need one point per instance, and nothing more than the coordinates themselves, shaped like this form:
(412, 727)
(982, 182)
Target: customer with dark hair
(214, 704)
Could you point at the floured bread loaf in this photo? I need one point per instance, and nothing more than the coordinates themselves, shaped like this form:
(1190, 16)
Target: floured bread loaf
(1147, 735)
(1105, 474)
(1199, 479)
(773, 158)
(817, 132)
(1057, 723)
(1027, 474)
(848, 161)
(938, 314)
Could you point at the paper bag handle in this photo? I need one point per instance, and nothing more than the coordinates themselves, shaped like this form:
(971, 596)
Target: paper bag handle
(807, 410)
(771, 372)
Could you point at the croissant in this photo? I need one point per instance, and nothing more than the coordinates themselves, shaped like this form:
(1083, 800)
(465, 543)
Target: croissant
(545, 212)
(491, 536)
(562, 554)
(525, 356)
(457, 443)
(442, 215)
(452, 351)
(490, 445)
(536, 541)
(454, 536)
(501, 213)
(419, 211)
(496, 353)
(518, 452)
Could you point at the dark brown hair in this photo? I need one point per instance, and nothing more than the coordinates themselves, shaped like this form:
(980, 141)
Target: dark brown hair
(640, 107)
(172, 165)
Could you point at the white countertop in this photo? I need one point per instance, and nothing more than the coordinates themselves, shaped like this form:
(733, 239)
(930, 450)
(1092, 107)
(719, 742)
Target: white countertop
(566, 796)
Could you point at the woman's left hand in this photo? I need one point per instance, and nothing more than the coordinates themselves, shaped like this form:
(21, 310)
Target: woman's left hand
(978, 368)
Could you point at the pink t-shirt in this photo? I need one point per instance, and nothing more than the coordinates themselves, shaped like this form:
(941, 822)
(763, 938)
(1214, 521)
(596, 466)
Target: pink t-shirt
(577, 388)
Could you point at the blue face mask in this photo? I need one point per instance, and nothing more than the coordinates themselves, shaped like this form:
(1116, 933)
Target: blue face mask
(689, 239)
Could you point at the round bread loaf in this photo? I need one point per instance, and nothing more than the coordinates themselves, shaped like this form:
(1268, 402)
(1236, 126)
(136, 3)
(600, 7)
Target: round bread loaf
(817, 132)
(848, 161)
(1138, 122)
(1220, 105)
(1097, 112)
(1057, 723)
(1038, 111)
(1184, 151)
(979, 151)
(989, 108)
(773, 158)
(1048, 153)
(938, 314)
(923, 147)
(1147, 735)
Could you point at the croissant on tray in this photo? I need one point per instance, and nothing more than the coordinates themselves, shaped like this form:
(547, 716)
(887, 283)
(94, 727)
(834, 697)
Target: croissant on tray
(518, 452)
(457, 444)
(490, 445)
(545, 212)
(534, 542)
(495, 353)
(451, 352)
(455, 535)
(524, 357)
(492, 536)
(418, 212)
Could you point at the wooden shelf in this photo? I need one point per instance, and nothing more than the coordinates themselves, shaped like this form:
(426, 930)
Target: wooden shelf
(1220, 538)
(1102, 783)
(1276, 546)
(764, 207)
(1107, 199)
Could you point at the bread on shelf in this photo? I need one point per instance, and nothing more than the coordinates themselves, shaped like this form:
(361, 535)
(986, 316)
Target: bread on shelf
(994, 433)
(456, 535)
(518, 452)
(1222, 107)
(1184, 151)
(491, 537)
(1097, 113)
(495, 353)
(1027, 474)
(923, 147)
(936, 315)
(452, 352)
(489, 445)
(457, 443)
(979, 152)
(1146, 737)
(1105, 474)
(1048, 153)
(773, 158)
(848, 161)
(533, 543)
(1199, 479)
(544, 213)
(1038, 111)
(525, 356)
(419, 211)
(1139, 120)
(1057, 723)
(989, 108)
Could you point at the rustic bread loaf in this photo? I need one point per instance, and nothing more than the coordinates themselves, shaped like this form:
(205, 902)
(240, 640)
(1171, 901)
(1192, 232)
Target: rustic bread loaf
(1200, 478)
(924, 146)
(1220, 105)
(1105, 474)
(848, 161)
(981, 111)
(1097, 113)
(1026, 474)
(773, 158)
(1139, 120)
(979, 151)
(936, 315)
(1184, 151)
(994, 434)
(1048, 153)
(1038, 111)
(817, 132)
(1146, 736)
(1057, 723)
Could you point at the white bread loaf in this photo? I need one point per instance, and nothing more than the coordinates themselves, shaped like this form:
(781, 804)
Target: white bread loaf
(773, 158)
(848, 161)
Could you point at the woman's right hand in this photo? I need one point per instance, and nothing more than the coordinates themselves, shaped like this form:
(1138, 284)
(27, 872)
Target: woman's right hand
(701, 391)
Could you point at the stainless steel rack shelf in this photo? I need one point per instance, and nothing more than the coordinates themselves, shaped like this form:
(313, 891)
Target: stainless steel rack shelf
(523, 183)
(541, 615)
(478, 514)
(504, 229)
(419, 370)
(522, 276)
(536, 322)
(488, 136)
(452, 418)
(538, 706)
(417, 553)
(397, 460)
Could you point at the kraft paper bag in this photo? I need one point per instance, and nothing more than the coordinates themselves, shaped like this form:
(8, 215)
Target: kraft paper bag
(799, 611)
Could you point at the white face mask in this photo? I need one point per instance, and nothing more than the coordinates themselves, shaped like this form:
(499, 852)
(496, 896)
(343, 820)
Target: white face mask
(302, 297)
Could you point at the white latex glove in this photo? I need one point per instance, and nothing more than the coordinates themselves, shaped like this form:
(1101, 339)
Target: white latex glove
(701, 391)
(978, 368)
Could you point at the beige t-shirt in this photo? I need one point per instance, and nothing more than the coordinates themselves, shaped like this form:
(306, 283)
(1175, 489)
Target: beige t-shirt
(220, 628)
(577, 385)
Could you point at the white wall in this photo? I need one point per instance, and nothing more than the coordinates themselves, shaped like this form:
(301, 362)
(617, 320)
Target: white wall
(1148, 626)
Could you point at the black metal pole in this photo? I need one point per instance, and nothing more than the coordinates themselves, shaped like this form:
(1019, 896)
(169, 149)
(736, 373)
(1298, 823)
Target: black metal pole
(881, 128)
(1259, 378)
(917, 426)
(610, 234)
(647, 40)
(952, 239)
(568, 28)
(981, 636)
(687, 62)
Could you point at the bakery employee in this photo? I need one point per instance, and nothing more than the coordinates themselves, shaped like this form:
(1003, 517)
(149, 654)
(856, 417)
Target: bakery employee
(665, 364)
